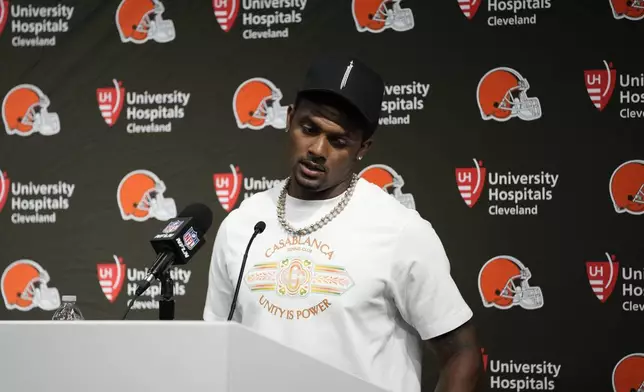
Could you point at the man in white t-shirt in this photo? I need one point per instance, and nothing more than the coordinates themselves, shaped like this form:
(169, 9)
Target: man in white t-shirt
(343, 271)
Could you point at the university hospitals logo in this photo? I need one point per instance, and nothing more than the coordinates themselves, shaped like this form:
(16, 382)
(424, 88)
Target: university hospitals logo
(5, 186)
(139, 21)
(600, 84)
(110, 101)
(228, 186)
(469, 7)
(506, 12)
(4, 14)
(390, 181)
(34, 25)
(35, 203)
(24, 112)
(518, 375)
(503, 284)
(627, 9)
(261, 19)
(508, 193)
(628, 374)
(25, 286)
(226, 12)
(141, 196)
(502, 95)
(110, 277)
(470, 182)
(256, 105)
(627, 187)
(603, 276)
(144, 109)
(376, 16)
(401, 100)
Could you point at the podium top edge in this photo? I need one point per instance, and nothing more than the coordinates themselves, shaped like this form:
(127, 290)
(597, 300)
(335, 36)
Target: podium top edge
(120, 322)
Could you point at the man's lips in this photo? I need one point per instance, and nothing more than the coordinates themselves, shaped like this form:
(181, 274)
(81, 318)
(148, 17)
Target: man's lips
(312, 166)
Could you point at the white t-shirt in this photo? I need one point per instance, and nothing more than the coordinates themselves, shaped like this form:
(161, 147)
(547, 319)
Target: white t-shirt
(346, 294)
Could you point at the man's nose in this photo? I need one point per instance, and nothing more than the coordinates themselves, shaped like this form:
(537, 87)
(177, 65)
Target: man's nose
(318, 147)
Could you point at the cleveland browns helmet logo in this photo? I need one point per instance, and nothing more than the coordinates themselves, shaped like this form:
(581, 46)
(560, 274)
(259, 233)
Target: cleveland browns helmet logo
(376, 16)
(390, 181)
(140, 196)
(628, 374)
(24, 112)
(24, 287)
(503, 283)
(627, 9)
(501, 95)
(627, 187)
(139, 21)
(256, 104)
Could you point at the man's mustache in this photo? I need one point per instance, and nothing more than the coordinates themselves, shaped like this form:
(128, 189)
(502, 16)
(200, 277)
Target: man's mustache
(313, 165)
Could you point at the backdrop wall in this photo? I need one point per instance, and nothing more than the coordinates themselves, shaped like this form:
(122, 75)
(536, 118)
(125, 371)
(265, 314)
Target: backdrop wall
(513, 126)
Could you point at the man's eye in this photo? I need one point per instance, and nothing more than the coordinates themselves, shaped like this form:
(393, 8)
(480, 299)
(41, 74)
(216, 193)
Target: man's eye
(339, 142)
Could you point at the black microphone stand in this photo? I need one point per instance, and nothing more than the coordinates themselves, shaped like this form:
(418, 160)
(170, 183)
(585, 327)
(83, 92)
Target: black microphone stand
(166, 304)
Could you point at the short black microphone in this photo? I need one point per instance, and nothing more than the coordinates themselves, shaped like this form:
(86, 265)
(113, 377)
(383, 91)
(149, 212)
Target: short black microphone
(259, 228)
(178, 242)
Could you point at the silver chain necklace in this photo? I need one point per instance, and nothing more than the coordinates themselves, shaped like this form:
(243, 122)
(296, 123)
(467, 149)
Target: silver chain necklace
(281, 209)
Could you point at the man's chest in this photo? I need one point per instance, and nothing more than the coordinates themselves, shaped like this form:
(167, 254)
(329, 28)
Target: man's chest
(293, 277)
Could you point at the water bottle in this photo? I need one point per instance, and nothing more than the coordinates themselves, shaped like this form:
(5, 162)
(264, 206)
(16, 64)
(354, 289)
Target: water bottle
(68, 311)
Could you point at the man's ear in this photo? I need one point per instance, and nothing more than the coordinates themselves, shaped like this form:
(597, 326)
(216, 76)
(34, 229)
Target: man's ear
(364, 148)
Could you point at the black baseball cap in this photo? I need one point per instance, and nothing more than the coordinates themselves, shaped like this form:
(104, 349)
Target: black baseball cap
(349, 78)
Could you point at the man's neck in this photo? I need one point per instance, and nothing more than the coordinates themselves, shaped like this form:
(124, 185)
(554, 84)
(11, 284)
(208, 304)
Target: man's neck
(299, 192)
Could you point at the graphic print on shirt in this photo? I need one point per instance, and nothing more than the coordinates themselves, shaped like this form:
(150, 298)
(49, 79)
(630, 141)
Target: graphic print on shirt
(300, 268)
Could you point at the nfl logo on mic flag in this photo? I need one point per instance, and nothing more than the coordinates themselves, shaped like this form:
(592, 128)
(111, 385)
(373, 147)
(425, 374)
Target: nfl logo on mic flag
(172, 227)
(190, 238)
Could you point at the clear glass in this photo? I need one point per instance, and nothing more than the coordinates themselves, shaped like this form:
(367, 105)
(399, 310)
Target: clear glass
(68, 311)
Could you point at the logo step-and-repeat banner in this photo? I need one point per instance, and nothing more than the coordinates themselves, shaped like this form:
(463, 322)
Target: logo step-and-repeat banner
(514, 126)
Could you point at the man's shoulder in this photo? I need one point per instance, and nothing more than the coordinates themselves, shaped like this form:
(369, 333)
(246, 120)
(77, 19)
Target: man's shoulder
(385, 207)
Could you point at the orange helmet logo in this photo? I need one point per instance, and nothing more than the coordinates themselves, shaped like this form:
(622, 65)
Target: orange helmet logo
(390, 181)
(503, 283)
(501, 95)
(140, 196)
(627, 9)
(24, 112)
(628, 374)
(627, 187)
(256, 104)
(139, 21)
(376, 16)
(24, 287)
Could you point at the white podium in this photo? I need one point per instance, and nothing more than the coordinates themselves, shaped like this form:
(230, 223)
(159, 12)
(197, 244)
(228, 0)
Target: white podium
(157, 356)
